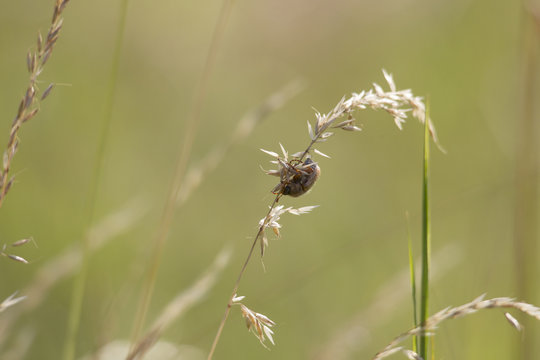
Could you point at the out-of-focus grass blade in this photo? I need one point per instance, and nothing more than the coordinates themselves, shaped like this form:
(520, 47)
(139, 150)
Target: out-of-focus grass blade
(413, 282)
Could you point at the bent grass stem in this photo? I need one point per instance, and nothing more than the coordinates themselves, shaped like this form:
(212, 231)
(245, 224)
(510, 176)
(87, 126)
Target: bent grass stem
(240, 275)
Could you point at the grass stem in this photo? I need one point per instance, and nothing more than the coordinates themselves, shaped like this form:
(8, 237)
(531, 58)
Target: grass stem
(426, 241)
(237, 284)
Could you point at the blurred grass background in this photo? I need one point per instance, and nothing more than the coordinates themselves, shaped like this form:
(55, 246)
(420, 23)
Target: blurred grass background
(466, 56)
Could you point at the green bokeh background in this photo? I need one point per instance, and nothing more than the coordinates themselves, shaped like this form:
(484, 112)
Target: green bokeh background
(466, 56)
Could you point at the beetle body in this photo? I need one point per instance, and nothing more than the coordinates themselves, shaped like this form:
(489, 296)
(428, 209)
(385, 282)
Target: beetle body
(296, 180)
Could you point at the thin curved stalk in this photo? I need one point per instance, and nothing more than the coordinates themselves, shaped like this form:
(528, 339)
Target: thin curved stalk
(237, 283)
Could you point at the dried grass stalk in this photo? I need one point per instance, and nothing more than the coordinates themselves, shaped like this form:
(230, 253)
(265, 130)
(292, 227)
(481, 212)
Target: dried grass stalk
(452, 313)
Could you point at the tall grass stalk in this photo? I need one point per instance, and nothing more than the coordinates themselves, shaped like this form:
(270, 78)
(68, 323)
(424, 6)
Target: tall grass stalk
(426, 242)
(257, 237)
(77, 295)
(162, 232)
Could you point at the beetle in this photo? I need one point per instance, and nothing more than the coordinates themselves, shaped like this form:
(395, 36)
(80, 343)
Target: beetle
(297, 177)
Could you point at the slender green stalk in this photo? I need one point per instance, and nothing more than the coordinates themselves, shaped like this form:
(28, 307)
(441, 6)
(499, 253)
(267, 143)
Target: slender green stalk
(80, 281)
(237, 283)
(426, 241)
(413, 284)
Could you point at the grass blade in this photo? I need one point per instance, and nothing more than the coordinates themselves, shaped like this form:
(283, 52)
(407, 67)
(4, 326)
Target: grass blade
(426, 241)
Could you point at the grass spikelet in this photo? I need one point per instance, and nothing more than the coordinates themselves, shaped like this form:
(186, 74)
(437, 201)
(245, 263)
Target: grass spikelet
(260, 325)
(12, 256)
(29, 105)
(10, 301)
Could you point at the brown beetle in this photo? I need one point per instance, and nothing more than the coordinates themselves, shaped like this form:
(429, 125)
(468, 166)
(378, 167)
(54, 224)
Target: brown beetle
(297, 179)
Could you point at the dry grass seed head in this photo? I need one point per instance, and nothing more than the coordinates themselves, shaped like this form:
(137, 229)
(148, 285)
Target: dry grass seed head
(10, 301)
(271, 220)
(35, 60)
(259, 324)
(12, 256)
